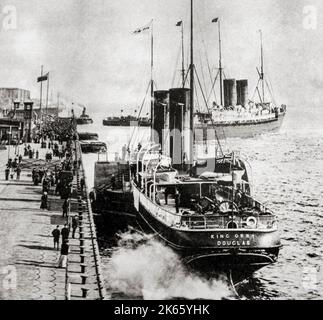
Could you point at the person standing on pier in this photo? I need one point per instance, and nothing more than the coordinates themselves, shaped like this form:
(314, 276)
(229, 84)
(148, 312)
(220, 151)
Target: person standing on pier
(20, 159)
(75, 225)
(62, 263)
(56, 235)
(18, 173)
(7, 172)
(65, 233)
(44, 202)
(65, 208)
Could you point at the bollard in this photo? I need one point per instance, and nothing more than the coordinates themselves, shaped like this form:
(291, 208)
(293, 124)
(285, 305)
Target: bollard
(83, 268)
(84, 278)
(84, 292)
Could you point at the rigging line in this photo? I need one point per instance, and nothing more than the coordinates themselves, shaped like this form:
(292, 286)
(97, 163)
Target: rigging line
(187, 73)
(142, 105)
(255, 91)
(202, 71)
(271, 90)
(175, 71)
(259, 95)
(197, 99)
(213, 85)
(272, 97)
(223, 132)
(206, 56)
(213, 125)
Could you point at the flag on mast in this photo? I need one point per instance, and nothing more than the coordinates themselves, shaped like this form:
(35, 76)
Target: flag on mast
(179, 23)
(143, 29)
(215, 20)
(43, 78)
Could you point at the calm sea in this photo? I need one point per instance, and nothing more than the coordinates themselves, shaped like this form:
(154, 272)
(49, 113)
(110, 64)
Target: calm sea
(287, 176)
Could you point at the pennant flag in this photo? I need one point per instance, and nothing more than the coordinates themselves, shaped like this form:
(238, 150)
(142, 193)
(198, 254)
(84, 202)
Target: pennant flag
(215, 20)
(179, 23)
(143, 29)
(43, 78)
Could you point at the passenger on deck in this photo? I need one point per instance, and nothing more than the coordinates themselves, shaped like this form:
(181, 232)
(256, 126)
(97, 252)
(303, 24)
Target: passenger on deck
(177, 200)
(113, 182)
(82, 184)
(166, 192)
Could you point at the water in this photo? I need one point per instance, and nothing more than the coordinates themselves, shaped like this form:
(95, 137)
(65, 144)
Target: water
(287, 176)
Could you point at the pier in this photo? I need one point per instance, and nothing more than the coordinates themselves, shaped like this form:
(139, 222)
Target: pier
(29, 268)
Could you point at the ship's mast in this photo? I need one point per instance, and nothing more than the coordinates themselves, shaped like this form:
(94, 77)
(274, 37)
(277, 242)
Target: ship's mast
(183, 61)
(152, 79)
(262, 74)
(220, 64)
(41, 97)
(192, 84)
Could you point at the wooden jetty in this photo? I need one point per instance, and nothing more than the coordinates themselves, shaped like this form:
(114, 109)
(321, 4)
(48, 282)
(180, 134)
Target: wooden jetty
(28, 263)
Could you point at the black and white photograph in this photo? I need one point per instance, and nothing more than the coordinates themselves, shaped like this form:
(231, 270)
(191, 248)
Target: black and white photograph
(161, 150)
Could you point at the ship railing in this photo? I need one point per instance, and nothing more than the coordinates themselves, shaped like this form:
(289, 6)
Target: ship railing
(247, 200)
(188, 221)
(227, 222)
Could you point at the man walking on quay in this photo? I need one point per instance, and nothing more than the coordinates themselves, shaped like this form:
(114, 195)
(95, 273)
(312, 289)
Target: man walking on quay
(65, 233)
(56, 234)
(44, 202)
(18, 172)
(62, 263)
(75, 225)
(65, 208)
(7, 172)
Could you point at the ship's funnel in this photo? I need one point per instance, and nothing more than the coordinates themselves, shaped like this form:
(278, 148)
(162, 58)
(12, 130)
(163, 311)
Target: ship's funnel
(242, 92)
(230, 92)
(181, 133)
(160, 122)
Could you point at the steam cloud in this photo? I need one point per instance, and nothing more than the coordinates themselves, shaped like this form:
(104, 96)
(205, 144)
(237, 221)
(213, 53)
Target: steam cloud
(143, 267)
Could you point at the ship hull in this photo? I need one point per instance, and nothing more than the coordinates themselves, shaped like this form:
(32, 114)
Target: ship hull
(238, 129)
(238, 252)
(84, 121)
(124, 123)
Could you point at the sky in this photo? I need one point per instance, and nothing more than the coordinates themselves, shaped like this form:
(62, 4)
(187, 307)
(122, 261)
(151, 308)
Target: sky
(94, 59)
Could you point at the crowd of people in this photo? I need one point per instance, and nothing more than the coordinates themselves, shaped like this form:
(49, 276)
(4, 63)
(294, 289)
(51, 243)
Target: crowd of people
(56, 180)
(13, 168)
